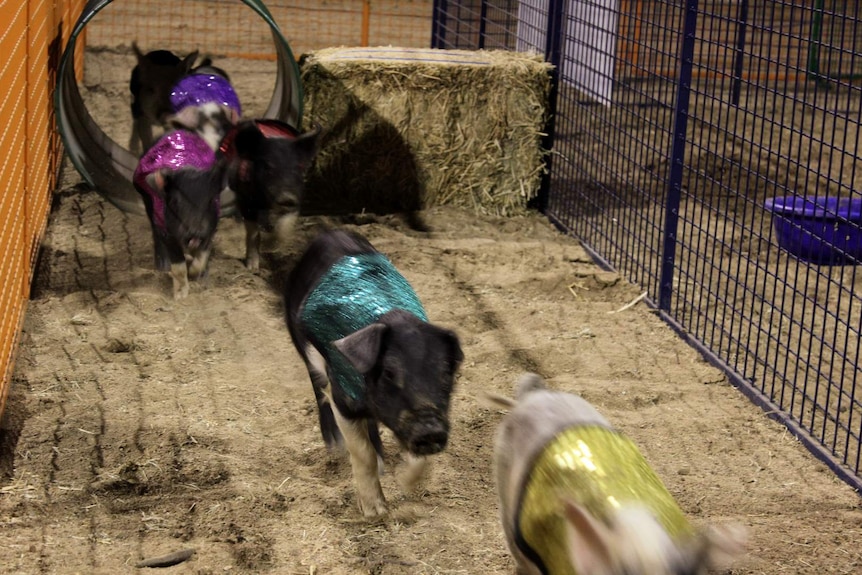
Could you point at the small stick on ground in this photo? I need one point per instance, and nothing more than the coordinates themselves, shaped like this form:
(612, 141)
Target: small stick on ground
(579, 286)
(167, 560)
(630, 304)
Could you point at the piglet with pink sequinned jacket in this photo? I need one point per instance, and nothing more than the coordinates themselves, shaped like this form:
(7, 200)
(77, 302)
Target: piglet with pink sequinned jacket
(180, 181)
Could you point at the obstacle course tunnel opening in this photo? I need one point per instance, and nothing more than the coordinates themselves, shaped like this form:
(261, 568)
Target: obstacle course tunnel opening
(105, 165)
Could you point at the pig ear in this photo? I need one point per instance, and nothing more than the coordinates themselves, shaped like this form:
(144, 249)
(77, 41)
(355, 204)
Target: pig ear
(589, 540)
(362, 348)
(455, 347)
(138, 54)
(527, 383)
(306, 146)
(189, 62)
(496, 401)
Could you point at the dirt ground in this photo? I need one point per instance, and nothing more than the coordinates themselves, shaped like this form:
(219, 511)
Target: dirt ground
(138, 426)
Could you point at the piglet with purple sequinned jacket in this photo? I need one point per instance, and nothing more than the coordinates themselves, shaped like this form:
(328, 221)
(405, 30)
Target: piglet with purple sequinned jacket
(206, 102)
(372, 357)
(576, 497)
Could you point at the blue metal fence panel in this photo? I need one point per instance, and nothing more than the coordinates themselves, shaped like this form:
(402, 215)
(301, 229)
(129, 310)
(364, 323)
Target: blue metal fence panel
(677, 124)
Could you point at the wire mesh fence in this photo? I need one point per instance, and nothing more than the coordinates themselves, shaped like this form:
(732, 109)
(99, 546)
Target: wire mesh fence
(230, 28)
(684, 130)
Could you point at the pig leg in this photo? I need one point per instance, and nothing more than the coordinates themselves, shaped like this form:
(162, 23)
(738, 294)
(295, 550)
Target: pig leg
(363, 461)
(142, 131)
(134, 137)
(162, 255)
(179, 270)
(179, 275)
(328, 428)
(415, 469)
(363, 454)
(252, 245)
(198, 265)
(374, 436)
(316, 366)
(160, 249)
(284, 226)
(135, 142)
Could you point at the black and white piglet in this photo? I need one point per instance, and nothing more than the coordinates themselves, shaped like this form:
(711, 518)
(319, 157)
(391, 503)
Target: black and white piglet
(373, 357)
(151, 82)
(578, 498)
(268, 164)
(206, 103)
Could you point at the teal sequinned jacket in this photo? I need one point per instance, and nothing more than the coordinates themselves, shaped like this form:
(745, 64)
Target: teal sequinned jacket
(355, 292)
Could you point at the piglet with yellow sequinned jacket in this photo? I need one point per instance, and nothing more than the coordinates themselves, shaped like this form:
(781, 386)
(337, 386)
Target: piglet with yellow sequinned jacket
(578, 498)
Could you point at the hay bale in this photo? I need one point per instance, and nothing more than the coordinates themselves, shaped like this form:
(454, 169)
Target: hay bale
(409, 129)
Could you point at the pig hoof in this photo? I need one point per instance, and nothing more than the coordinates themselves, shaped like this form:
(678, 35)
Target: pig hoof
(413, 474)
(252, 265)
(375, 509)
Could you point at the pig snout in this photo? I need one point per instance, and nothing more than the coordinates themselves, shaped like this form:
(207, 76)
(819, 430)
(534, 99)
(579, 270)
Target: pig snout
(428, 434)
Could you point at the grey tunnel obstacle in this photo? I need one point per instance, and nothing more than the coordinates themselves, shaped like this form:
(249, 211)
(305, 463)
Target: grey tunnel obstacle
(107, 166)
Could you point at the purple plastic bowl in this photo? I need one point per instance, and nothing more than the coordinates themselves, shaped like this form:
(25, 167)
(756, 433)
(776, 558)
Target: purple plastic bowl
(821, 230)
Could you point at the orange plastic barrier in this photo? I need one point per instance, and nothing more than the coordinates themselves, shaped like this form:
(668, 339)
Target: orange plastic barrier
(32, 34)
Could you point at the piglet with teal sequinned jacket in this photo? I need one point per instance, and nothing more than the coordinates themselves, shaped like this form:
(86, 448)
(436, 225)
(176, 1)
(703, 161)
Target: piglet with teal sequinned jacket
(373, 358)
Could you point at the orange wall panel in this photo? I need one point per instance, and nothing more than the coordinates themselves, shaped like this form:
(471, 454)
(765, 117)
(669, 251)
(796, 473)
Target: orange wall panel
(41, 160)
(13, 153)
(32, 36)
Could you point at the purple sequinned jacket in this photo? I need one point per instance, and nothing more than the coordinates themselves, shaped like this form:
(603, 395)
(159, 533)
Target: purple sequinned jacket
(173, 151)
(198, 89)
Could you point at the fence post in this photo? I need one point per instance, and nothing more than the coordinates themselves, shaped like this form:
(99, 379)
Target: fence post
(814, 42)
(739, 56)
(483, 17)
(554, 39)
(677, 155)
(438, 24)
(554, 55)
(366, 23)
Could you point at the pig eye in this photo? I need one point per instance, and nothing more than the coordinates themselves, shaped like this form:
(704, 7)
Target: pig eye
(389, 376)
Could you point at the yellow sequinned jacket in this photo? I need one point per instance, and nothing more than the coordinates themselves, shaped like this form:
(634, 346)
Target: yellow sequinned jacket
(598, 468)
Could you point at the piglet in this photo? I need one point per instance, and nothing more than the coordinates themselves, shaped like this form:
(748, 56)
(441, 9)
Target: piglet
(577, 497)
(373, 357)
(180, 182)
(151, 82)
(269, 160)
(207, 104)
